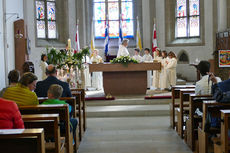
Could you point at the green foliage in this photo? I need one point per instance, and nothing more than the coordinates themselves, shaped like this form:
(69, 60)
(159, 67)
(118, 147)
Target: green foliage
(124, 60)
(66, 58)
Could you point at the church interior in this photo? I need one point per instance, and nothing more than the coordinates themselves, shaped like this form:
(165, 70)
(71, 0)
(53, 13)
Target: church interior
(115, 76)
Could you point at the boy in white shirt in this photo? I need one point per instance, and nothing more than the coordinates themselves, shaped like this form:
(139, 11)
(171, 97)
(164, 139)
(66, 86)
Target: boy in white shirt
(147, 57)
(137, 55)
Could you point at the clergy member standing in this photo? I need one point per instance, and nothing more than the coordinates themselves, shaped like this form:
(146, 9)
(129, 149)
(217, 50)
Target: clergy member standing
(164, 83)
(156, 73)
(137, 55)
(147, 58)
(123, 51)
(171, 68)
(97, 81)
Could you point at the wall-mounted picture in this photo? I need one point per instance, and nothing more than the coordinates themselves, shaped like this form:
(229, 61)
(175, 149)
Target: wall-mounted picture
(224, 58)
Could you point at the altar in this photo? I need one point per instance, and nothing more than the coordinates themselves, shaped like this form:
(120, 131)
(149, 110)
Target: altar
(124, 80)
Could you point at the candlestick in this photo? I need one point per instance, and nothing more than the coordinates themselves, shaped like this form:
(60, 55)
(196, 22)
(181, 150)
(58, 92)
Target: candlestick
(69, 44)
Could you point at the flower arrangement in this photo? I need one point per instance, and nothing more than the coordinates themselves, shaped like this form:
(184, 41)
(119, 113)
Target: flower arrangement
(124, 60)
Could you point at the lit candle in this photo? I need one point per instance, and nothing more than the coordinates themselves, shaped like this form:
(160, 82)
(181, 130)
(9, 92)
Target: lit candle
(69, 44)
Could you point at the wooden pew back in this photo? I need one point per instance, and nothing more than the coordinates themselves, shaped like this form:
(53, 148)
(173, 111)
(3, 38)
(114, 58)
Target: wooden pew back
(61, 109)
(22, 140)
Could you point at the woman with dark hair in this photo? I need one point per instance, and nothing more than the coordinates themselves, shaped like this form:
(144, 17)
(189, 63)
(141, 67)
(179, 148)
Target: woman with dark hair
(13, 78)
(171, 68)
(156, 74)
(43, 66)
(164, 84)
(23, 93)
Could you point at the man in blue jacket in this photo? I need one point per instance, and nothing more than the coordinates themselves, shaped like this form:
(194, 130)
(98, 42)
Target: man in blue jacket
(43, 86)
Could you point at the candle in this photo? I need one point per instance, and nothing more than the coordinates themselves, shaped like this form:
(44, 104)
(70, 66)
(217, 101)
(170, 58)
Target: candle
(69, 44)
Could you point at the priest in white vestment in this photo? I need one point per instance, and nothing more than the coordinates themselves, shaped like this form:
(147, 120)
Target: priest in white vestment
(171, 68)
(147, 58)
(123, 51)
(97, 80)
(137, 55)
(156, 73)
(164, 83)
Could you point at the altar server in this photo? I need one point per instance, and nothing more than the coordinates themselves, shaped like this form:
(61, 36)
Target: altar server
(137, 55)
(86, 62)
(123, 51)
(156, 73)
(164, 84)
(97, 81)
(171, 68)
(147, 58)
(43, 65)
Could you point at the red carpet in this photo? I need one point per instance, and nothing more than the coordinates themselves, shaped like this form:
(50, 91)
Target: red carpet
(99, 98)
(158, 97)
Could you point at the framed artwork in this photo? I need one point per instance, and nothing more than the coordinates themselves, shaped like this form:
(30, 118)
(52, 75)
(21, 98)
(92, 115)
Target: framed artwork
(224, 58)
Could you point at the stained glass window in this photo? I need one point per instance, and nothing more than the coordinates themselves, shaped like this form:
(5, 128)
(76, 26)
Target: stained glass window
(187, 18)
(46, 19)
(114, 11)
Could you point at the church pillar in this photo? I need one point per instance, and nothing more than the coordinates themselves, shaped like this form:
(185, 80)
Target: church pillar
(146, 24)
(222, 15)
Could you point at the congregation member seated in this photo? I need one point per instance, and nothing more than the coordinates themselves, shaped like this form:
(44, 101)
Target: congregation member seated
(13, 78)
(54, 93)
(203, 86)
(221, 90)
(10, 116)
(28, 67)
(137, 55)
(23, 93)
(43, 86)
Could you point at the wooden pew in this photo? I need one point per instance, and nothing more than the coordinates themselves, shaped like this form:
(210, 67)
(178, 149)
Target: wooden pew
(222, 144)
(195, 101)
(22, 141)
(83, 105)
(50, 124)
(184, 96)
(73, 103)
(174, 105)
(213, 107)
(62, 110)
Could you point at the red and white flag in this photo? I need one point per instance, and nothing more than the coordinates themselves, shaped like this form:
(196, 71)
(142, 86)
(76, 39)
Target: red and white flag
(77, 43)
(154, 42)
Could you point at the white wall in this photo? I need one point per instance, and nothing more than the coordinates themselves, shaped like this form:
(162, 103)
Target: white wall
(2, 60)
(200, 52)
(12, 6)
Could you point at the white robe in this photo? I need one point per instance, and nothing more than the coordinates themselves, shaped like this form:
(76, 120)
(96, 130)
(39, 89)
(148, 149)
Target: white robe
(156, 74)
(86, 71)
(138, 58)
(164, 83)
(171, 71)
(123, 51)
(43, 68)
(97, 80)
(148, 58)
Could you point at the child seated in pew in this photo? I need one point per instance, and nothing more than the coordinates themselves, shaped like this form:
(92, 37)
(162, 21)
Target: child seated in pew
(54, 93)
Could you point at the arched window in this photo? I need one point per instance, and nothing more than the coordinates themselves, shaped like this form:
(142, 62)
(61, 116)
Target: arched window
(113, 11)
(187, 18)
(46, 19)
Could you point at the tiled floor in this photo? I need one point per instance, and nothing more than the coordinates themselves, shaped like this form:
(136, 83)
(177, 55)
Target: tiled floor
(131, 135)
